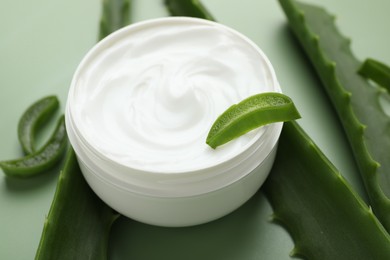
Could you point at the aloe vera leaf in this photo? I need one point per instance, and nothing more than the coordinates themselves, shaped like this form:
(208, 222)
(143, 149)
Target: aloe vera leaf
(115, 15)
(251, 113)
(192, 8)
(376, 71)
(32, 119)
(78, 223)
(41, 160)
(324, 215)
(356, 101)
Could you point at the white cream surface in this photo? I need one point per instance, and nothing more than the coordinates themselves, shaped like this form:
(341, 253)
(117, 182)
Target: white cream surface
(149, 96)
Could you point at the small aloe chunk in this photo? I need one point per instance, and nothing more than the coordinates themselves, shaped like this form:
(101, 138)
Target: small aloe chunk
(33, 118)
(37, 161)
(251, 113)
(376, 71)
(357, 103)
(42, 160)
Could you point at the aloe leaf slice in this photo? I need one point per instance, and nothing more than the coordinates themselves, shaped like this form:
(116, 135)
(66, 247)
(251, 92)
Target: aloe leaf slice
(325, 217)
(253, 112)
(78, 223)
(32, 119)
(376, 71)
(41, 160)
(356, 101)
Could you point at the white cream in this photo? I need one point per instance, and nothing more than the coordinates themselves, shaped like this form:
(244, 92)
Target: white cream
(148, 99)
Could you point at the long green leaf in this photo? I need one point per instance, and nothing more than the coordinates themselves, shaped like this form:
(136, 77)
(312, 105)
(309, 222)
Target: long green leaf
(115, 15)
(192, 8)
(325, 217)
(357, 103)
(79, 222)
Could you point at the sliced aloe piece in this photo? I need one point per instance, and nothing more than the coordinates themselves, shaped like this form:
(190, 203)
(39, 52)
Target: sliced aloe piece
(251, 113)
(376, 71)
(41, 160)
(32, 119)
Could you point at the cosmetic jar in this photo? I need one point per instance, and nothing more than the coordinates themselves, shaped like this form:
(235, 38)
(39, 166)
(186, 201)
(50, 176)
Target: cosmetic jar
(139, 109)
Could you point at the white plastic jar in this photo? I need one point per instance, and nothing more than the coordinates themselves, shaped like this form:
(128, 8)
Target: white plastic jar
(139, 109)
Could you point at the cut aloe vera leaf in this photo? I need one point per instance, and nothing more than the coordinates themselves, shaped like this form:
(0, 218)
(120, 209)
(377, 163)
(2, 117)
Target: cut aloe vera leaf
(192, 8)
(32, 119)
(325, 217)
(42, 160)
(78, 223)
(115, 15)
(253, 112)
(377, 72)
(356, 101)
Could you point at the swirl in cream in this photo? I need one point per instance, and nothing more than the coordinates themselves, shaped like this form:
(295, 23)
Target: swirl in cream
(148, 99)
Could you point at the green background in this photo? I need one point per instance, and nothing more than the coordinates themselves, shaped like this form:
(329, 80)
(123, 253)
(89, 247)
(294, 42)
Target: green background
(41, 44)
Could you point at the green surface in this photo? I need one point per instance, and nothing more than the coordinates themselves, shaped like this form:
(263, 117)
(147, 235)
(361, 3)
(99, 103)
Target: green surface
(43, 41)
